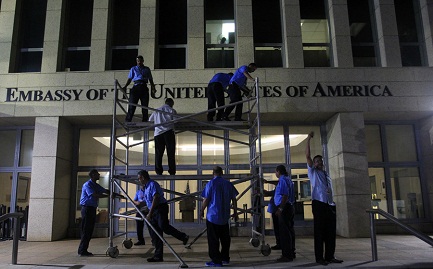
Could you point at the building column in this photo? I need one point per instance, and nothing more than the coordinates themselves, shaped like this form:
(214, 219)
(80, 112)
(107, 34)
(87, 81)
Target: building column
(387, 34)
(293, 51)
(196, 32)
(7, 20)
(426, 143)
(52, 53)
(340, 33)
(50, 188)
(147, 34)
(244, 52)
(348, 168)
(427, 23)
(98, 49)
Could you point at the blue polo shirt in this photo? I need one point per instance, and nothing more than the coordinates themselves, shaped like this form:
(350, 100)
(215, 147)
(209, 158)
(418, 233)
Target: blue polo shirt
(139, 195)
(89, 188)
(321, 185)
(239, 78)
(271, 205)
(150, 189)
(222, 78)
(219, 192)
(140, 74)
(284, 187)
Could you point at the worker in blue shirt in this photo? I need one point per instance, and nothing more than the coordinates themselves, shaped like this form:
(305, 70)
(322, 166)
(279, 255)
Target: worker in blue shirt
(141, 204)
(158, 215)
(284, 199)
(272, 208)
(237, 85)
(215, 94)
(324, 210)
(217, 195)
(140, 75)
(90, 194)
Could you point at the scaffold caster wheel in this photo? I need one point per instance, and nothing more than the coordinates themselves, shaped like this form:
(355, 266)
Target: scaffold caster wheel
(113, 252)
(255, 242)
(265, 250)
(127, 243)
(184, 266)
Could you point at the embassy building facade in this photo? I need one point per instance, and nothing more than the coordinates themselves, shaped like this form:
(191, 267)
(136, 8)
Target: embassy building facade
(357, 73)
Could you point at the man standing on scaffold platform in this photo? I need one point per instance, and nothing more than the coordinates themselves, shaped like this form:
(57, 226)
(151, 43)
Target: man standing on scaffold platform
(236, 87)
(140, 75)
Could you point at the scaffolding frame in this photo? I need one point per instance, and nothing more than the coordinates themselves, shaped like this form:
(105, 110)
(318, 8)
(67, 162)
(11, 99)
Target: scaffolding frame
(189, 123)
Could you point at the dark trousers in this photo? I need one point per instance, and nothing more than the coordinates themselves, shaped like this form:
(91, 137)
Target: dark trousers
(140, 228)
(217, 234)
(325, 222)
(215, 94)
(276, 228)
(138, 92)
(235, 96)
(287, 231)
(163, 141)
(161, 224)
(88, 218)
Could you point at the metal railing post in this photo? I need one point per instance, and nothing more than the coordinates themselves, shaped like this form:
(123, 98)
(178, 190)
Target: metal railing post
(393, 219)
(16, 238)
(373, 237)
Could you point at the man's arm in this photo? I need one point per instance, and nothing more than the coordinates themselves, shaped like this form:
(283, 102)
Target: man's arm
(127, 83)
(152, 85)
(307, 149)
(203, 207)
(235, 209)
(283, 203)
(248, 75)
(155, 203)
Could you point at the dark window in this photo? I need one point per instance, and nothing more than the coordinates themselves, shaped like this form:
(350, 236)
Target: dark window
(172, 34)
(125, 33)
(363, 40)
(172, 26)
(31, 35)
(267, 33)
(267, 21)
(220, 33)
(409, 32)
(124, 59)
(77, 35)
(172, 58)
(315, 33)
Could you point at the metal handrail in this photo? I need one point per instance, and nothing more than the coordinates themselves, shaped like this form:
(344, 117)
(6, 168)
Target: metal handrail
(17, 216)
(393, 219)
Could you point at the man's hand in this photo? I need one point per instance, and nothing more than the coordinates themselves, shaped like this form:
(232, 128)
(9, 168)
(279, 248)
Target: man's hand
(201, 214)
(149, 216)
(235, 217)
(153, 89)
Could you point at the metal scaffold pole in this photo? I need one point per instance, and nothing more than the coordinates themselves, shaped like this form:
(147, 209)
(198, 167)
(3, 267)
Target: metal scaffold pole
(186, 123)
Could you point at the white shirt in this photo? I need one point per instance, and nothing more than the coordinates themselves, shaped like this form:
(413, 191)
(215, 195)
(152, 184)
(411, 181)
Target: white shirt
(159, 117)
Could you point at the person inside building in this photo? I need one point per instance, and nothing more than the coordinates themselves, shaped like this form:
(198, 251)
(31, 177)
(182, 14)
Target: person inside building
(215, 94)
(324, 209)
(164, 136)
(142, 206)
(158, 215)
(90, 194)
(237, 85)
(140, 75)
(217, 195)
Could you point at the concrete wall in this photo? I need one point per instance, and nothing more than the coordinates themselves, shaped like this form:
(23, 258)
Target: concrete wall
(51, 180)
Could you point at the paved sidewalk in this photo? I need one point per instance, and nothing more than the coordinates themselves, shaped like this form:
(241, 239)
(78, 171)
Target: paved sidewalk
(395, 251)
